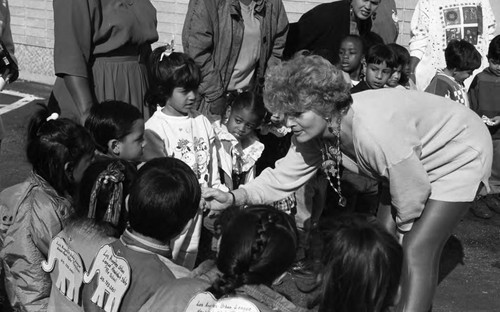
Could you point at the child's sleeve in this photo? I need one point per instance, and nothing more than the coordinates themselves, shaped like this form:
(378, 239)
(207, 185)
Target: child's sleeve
(72, 37)
(154, 147)
(45, 223)
(474, 95)
(419, 26)
(438, 87)
(213, 164)
(254, 156)
(250, 175)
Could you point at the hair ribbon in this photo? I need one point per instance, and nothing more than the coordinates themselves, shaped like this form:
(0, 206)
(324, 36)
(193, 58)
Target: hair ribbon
(169, 48)
(114, 174)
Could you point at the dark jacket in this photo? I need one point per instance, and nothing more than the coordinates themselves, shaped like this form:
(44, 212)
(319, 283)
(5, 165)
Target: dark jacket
(361, 86)
(323, 28)
(483, 93)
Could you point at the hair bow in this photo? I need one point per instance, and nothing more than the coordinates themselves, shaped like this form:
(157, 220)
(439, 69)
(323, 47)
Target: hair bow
(169, 48)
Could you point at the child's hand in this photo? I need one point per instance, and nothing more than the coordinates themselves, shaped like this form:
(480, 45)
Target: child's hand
(495, 120)
(216, 199)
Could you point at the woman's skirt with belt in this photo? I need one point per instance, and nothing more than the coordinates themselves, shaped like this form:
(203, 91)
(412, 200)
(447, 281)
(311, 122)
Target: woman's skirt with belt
(121, 78)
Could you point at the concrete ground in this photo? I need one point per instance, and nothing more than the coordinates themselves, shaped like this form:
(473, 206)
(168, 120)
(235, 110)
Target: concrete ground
(470, 264)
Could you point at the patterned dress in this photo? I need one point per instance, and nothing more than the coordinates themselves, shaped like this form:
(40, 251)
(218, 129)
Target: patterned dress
(435, 23)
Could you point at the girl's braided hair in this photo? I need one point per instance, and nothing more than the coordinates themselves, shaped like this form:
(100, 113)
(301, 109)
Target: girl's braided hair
(101, 197)
(257, 246)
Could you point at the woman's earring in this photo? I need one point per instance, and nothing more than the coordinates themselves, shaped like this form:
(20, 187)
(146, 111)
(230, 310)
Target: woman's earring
(329, 125)
(334, 128)
(333, 131)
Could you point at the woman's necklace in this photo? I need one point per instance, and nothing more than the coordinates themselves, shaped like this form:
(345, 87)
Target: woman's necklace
(332, 159)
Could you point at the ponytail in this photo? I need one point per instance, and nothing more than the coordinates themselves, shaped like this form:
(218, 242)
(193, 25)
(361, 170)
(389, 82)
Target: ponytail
(54, 142)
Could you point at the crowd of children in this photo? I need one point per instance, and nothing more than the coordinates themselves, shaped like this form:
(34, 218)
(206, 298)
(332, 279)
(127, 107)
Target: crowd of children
(114, 209)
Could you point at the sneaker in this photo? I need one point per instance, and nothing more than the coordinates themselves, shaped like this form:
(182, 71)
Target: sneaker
(480, 209)
(493, 202)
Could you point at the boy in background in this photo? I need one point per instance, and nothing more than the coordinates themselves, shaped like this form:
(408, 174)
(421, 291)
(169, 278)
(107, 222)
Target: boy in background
(484, 93)
(352, 57)
(462, 59)
(380, 61)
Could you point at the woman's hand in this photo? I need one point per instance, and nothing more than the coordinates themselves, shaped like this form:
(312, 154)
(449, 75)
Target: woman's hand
(216, 199)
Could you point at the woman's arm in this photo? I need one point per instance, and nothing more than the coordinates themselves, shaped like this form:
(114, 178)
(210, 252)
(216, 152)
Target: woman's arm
(79, 89)
(408, 195)
(72, 49)
(291, 172)
(395, 158)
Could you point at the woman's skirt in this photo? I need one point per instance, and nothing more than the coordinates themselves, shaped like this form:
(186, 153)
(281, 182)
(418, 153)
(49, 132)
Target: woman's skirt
(120, 78)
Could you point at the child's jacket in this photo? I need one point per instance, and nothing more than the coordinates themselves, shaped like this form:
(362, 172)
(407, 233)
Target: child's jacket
(32, 213)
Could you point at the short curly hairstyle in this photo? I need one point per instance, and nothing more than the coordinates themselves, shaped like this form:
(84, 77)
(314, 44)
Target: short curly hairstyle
(306, 82)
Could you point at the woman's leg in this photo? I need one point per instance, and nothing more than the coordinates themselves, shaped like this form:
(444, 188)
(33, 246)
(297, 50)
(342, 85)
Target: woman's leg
(422, 248)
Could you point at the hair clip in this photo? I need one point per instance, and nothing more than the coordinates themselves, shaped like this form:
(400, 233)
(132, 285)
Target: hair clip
(53, 116)
(169, 49)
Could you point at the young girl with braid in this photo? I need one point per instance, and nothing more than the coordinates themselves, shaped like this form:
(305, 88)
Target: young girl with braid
(257, 246)
(100, 219)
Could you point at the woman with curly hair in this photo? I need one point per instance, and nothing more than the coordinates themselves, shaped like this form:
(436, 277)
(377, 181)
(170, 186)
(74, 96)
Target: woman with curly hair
(431, 155)
(257, 246)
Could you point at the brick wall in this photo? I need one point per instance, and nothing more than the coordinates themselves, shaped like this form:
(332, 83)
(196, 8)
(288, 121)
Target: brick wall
(33, 29)
(33, 33)
(405, 11)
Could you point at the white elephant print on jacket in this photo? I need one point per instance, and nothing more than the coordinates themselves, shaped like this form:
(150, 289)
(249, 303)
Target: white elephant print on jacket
(114, 278)
(70, 268)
